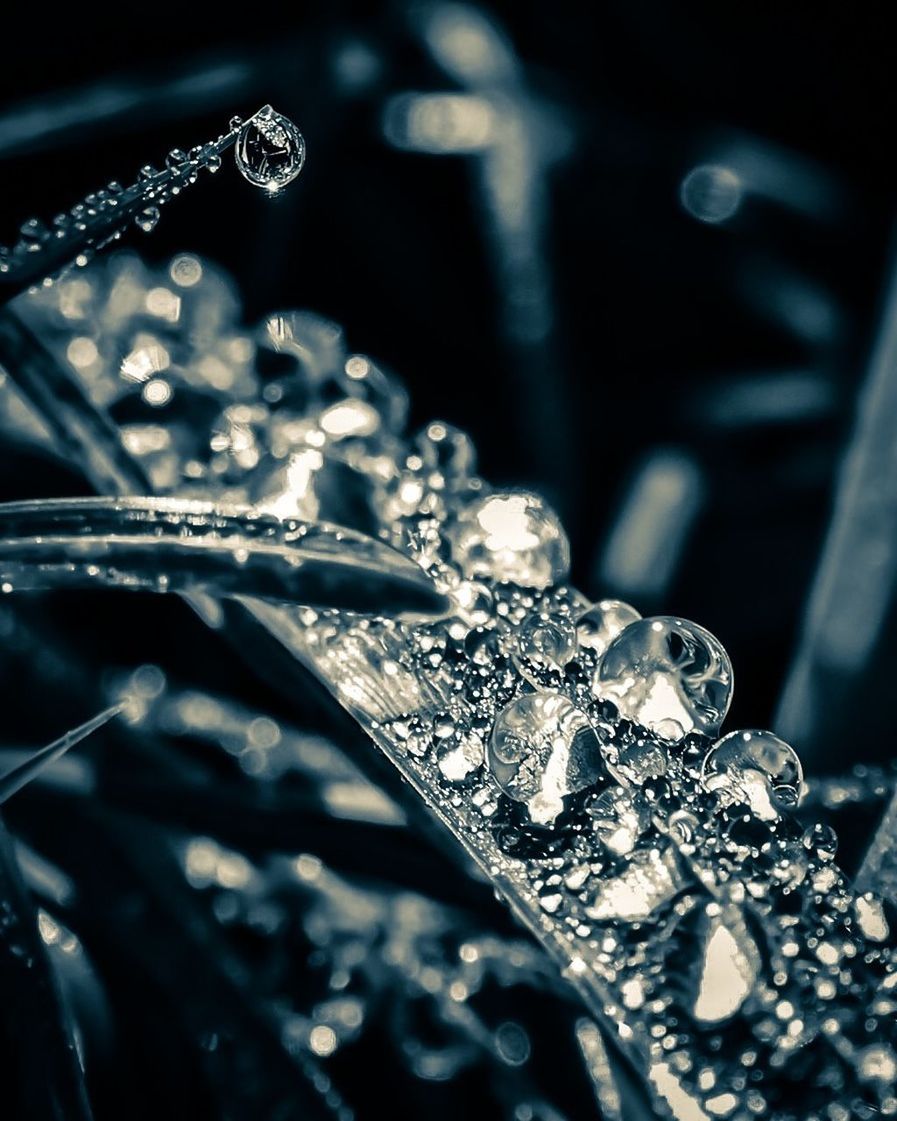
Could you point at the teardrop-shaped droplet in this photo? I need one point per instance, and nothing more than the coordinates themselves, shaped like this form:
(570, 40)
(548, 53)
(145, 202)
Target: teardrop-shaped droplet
(148, 219)
(270, 150)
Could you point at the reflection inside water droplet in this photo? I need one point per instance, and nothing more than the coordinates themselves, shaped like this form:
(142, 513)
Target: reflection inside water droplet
(542, 749)
(756, 768)
(270, 150)
(669, 675)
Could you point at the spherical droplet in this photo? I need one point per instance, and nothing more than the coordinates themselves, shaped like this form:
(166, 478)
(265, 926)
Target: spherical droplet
(270, 150)
(821, 840)
(34, 233)
(756, 768)
(542, 749)
(600, 624)
(544, 645)
(669, 675)
(878, 1063)
(514, 538)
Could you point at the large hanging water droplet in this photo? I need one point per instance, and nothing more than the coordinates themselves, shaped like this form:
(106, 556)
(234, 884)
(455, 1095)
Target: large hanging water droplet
(542, 749)
(756, 768)
(270, 150)
(669, 675)
(514, 538)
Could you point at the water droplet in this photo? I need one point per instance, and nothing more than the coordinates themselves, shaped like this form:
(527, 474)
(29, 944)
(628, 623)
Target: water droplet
(669, 675)
(176, 159)
(821, 840)
(514, 538)
(711, 193)
(544, 645)
(148, 219)
(460, 756)
(147, 172)
(878, 1063)
(445, 449)
(270, 150)
(618, 820)
(34, 234)
(512, 1043)
(756, 768)
(639, 762)
(600, 624)
(682, 826)
(542, 749)
(871, 917)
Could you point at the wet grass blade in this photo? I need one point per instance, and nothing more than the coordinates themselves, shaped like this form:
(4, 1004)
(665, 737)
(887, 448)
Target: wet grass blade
(185, 547)
(20, 776)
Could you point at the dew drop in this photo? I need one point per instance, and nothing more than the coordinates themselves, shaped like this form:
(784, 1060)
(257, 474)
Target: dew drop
(34, 234)
(270, 150)
(729, 966)
(148, 219)
(545, 644)
(821, 840)
(542, 749)
(871, 917)
(669, 675)
(756, 768)
(878, 1063)
(600, 624)
(176, 159)
(651, 878)
(618, 820)
(459, 756)
(513, 537)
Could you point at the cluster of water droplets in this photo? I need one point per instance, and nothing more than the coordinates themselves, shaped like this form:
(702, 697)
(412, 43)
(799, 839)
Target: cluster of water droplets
(574, 748)
(270, 153)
